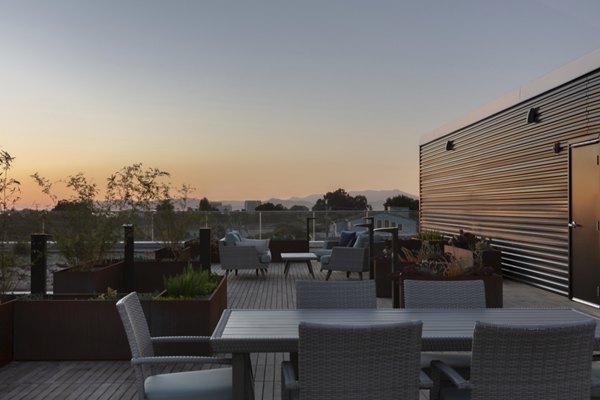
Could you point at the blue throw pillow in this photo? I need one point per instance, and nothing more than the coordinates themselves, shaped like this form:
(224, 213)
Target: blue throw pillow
(347, 238)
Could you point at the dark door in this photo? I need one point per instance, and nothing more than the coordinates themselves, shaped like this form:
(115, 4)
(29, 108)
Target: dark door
(585, 223)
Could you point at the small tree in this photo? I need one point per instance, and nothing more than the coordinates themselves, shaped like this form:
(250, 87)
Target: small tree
(86, 229)
(340, 200)
(402, 201)
(10, 190)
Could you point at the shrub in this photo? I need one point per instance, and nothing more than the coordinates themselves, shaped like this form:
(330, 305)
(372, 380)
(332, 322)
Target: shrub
(191, 283)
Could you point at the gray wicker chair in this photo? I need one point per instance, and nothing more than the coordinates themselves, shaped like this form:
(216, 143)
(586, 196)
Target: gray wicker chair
(443, 294)
(551, 362)
(355, 362)
(347, 259)
(238, 257)
(200, 384)
(336, 294)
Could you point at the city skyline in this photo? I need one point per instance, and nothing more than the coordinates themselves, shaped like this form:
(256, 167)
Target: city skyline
(252, 100)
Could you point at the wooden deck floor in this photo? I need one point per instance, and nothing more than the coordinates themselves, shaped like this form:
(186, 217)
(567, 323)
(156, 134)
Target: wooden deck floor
(115, 380)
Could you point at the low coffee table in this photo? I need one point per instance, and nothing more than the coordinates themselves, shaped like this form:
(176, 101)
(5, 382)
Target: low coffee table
(298, 258)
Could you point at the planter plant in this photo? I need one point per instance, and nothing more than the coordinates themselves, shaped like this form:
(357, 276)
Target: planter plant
(428, 263)
(88, 327)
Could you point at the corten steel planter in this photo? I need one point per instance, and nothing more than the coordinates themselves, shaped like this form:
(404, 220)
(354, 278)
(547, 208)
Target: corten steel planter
(492, 283)
(97, 280)
(6, 329)
(62, 327)
(383, 284)
(286, 246)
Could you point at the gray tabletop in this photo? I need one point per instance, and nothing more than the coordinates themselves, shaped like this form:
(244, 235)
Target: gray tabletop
(250, 331)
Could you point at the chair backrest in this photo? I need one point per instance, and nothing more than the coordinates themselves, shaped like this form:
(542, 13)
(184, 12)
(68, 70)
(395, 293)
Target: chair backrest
(336, 294)
(359, 362)
(443, 294)
(353, 259)
(137, 331)
(532, 362)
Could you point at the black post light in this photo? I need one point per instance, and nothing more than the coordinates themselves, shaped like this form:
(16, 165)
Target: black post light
(395, 287)
(369, 224)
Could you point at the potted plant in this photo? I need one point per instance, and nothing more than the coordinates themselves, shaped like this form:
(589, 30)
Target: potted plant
(85, 231)
(430, 264)
(88, 327)
(476, 250)
(9, 259)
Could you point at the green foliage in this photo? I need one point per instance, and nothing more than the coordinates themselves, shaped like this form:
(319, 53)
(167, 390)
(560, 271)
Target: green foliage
(402, 201)
(84, 230)
(340, 200)
(191, 283)
(270, 207)
(110, 294)
(10, 190)
(204, 205)
(430, 235)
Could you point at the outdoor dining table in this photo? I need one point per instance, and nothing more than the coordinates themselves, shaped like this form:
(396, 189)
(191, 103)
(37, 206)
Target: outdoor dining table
(241, 332)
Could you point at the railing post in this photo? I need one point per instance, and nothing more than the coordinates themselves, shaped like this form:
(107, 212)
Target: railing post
(39, 263)
(205, 245)
(308, 219)
(128, 241)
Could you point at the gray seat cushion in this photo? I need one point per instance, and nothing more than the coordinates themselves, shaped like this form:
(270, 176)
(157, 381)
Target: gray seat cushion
(213, 384)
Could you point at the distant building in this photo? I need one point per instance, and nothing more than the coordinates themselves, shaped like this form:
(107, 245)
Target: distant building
(224, 208)
(250, 205)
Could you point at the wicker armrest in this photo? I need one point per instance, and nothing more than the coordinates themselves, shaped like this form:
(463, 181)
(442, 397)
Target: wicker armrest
(179, 359)
(180, 339)
(425, 381)
(439, 368)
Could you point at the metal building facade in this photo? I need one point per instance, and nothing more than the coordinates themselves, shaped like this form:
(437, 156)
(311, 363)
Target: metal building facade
(503, 171)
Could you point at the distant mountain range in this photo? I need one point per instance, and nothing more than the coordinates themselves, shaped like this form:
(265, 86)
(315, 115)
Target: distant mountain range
(375, 198)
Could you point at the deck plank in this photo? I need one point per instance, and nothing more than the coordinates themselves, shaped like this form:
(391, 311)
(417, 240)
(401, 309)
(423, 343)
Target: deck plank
(112, 380)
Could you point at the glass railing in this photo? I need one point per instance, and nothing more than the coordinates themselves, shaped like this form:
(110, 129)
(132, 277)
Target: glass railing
(181, 226)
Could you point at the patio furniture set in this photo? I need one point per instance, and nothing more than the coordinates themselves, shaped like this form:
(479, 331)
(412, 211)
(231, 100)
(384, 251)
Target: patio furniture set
(342, 347)
(349, 254)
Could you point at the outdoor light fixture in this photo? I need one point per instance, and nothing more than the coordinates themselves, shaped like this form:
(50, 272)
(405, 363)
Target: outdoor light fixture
(557, 147)
(532, 115)
(450, 145)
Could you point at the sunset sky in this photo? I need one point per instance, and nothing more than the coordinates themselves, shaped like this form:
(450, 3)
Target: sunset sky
(257, 99)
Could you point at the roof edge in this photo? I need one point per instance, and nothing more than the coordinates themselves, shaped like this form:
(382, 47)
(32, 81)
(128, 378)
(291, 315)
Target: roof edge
(551, 80)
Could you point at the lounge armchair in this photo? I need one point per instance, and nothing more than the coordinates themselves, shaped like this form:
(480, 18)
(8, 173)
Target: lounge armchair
(236, 252)
(201, 384)
(551, 362)
(347, 259)
(355, 362)
(335, 294)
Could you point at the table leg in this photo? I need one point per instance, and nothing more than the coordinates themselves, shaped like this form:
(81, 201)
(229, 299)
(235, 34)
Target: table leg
(242, 380)
(286, 269)
(310, 268)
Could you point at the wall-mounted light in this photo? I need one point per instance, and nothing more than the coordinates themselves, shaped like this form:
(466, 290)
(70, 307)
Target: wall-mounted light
(557, 147)
(532, 115)
(450, 145)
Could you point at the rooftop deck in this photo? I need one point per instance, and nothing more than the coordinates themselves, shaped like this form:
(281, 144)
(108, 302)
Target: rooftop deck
(115, 380)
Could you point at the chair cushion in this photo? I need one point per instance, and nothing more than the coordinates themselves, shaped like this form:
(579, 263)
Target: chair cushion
(325, 259)
(262, 246)
(265, 258)
(214, 384)
(231, 238)
(362, 239)
(321, 252)
(347, 238)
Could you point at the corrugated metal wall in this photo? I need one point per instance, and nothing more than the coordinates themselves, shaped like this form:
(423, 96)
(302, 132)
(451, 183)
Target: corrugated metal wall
(504, 180)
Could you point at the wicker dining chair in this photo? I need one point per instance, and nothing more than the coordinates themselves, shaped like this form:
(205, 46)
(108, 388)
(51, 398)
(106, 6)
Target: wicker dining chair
(336, 294)
(355, 362)
(443, 294)
(206, 384)
(550, 362)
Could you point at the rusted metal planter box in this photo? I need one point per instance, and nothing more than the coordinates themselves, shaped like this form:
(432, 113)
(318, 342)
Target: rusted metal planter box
(70, 327)
(6, 330)
(72, 281)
